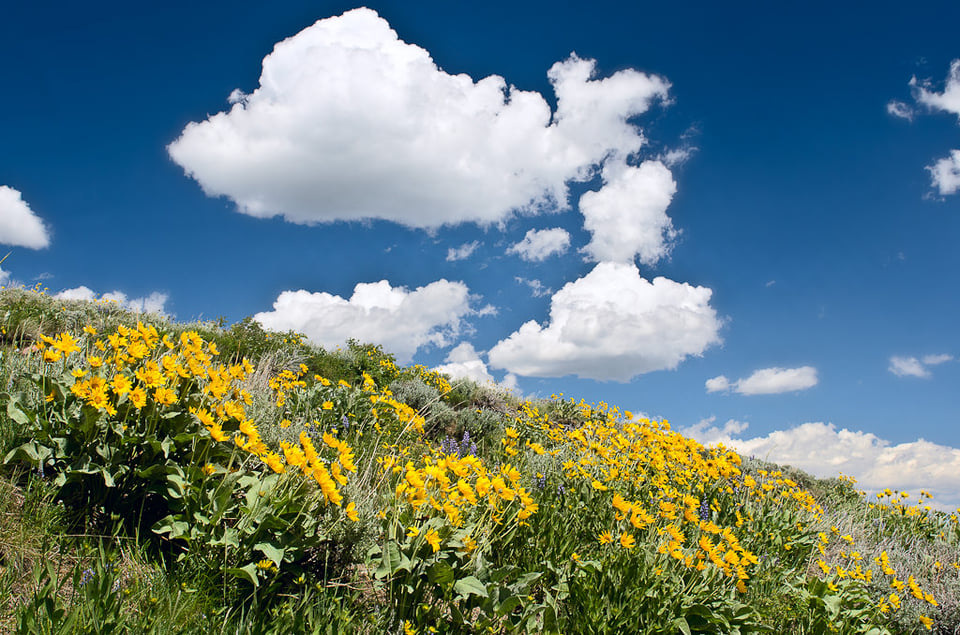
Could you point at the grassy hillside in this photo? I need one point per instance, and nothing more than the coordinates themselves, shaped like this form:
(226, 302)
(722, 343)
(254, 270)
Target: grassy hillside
(168, 477)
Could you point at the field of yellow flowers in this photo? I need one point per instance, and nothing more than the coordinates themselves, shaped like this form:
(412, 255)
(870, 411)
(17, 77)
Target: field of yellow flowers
(200, 478)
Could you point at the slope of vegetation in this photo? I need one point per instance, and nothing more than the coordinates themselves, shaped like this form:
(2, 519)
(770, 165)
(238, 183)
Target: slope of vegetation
(168, 477)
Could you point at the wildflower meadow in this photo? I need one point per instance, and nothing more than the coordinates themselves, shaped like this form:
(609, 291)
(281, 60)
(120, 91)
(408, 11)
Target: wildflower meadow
(165, 477)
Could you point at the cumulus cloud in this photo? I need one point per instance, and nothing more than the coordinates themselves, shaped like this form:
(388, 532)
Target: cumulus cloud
(768, 381)
(949, 99)
(4, 276)
(876, 463)
(628, 215)
(718, 384)
(378, 313)
(463, 362)
(539, 244)
(350, 122)
(462, 252)
(19, 225)
(945, 174)
(153, 303)
(612, 324)
(913, 367)
(705, 432)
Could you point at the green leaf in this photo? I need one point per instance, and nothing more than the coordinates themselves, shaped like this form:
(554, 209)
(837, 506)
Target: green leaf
(527, 579)
(247, 572)
(230, 538)
(833, 605)
(550, 620)
(176, 485)
(470, 586)
(681, 623)
(152, 471)
(16, 413)
(271, 551)
(171, 526)
(440, 573)
(30, 451)
(390, 561)
(506, 607)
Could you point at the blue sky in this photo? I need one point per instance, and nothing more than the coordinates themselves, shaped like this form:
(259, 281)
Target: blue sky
(739, 218)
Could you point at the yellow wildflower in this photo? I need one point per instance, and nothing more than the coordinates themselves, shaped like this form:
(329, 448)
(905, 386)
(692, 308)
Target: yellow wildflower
(433, 538)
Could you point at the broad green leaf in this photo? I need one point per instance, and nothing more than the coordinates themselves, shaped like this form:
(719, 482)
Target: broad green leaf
(550, 620)
(16, 413)
(170, 525)
(681, 623)
(30, 451)
(470, 586)
(833, 605)
(176, 485)
(247, 572)
(390, 560)
(271, 551)
(440, 573)
(507, 606)
(152, 471)
(230, 538)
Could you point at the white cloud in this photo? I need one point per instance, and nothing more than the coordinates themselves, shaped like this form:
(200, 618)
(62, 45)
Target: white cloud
(768, 381)
(907, 367)
(718, 384)
(612, 324)
(401, 320)
(462, 252)
(705, 432)
(628, 215)
(536, 287)
(900, 109)
(676, 156)
(949, 99)
(19, 226)
(945, 174)
(539, 244)
(153, 303)
(350, 122)
(913, 367)
(463, 362)
(4, 276)
(512, 383)
(824, 451)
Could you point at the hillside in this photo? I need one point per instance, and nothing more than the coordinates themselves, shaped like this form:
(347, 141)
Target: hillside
(165, 477)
